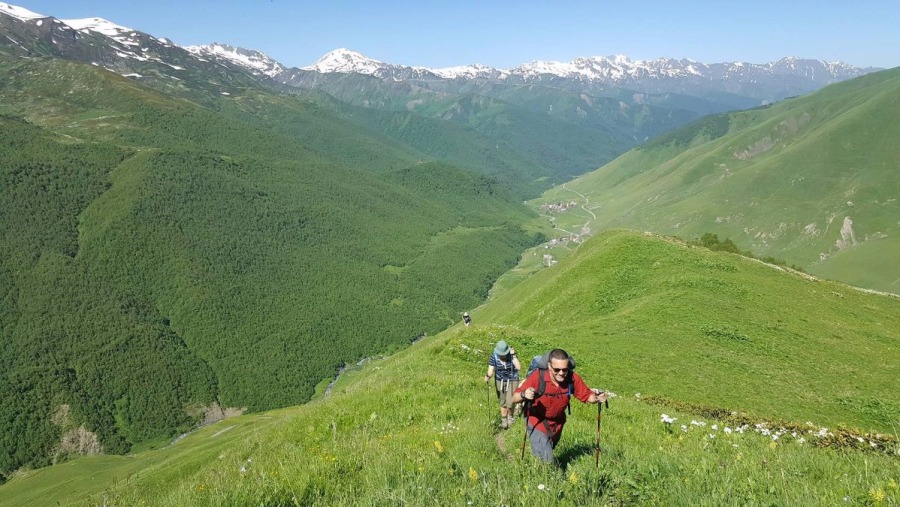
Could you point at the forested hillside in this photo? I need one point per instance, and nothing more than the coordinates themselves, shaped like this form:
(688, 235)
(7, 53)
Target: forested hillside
(812, 180)
(162, 260)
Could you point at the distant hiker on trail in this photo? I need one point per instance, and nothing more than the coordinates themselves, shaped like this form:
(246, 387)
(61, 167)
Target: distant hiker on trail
(546, 392)
(506, 365)
(467, 319)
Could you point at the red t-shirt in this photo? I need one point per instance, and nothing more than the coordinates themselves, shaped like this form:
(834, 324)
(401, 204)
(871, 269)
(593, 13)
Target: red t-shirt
(551, 406)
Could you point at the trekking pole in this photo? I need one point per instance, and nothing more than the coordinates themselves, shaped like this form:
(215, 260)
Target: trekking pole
(597, 448)
(527, 406)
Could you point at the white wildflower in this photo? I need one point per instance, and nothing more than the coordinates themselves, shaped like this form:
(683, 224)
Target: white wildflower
(684, 428)
(542, 487)
(727, 430)
(667, 419)
(715, 427)
(697, 423)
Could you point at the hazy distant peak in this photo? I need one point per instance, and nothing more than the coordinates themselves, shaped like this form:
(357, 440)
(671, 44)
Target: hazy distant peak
(466, 71)
(19, 12)
(346, 61)
(255, 61)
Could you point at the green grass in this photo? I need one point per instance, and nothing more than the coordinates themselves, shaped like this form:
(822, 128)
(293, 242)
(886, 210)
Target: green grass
(419, 427)
(777, 181)
(718, 329)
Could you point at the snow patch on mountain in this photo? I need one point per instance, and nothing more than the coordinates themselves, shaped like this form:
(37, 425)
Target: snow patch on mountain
(19, 12)
(255, 61)
(121, 34)
(98, 25)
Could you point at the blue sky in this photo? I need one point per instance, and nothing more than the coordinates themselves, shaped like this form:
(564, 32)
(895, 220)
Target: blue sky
(506, 33)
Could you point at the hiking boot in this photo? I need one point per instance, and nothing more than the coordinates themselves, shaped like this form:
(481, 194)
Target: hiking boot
(510, 421)
(504, 423)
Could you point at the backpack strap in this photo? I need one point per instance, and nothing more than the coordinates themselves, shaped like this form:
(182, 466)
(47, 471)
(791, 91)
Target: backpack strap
(542, 384)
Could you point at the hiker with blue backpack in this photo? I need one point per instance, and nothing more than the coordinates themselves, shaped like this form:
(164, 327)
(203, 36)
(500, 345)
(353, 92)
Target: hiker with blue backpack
(546, 392)
(504, 366)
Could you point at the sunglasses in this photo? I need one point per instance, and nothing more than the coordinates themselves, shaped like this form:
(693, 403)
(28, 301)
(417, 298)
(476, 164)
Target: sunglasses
(559, 370)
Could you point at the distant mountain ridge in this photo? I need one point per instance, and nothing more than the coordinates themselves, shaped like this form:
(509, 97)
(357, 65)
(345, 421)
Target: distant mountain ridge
(129, 51)
(619, 70)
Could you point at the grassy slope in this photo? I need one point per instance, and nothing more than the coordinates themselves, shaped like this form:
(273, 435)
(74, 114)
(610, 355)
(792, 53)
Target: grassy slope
(363, 446)
(663, 313)
(780, 182)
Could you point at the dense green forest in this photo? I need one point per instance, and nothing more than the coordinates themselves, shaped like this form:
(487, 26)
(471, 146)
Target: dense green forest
(70, 336)
(160, 258)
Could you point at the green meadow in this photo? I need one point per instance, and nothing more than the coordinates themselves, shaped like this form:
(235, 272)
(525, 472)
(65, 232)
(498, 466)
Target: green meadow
(779, 389)
(811, 180)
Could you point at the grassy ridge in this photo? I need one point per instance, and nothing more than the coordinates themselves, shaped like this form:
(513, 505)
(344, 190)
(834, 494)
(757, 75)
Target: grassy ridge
(811, 180)
(718, 329)
(420, 427)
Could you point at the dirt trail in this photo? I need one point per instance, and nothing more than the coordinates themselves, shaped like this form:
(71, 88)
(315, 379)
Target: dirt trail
(514, 435)
(583, 206)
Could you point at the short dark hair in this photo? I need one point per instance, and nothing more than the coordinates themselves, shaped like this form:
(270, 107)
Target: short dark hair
(558, 354)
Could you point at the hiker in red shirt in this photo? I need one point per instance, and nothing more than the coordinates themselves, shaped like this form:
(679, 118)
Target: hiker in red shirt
(547, 411)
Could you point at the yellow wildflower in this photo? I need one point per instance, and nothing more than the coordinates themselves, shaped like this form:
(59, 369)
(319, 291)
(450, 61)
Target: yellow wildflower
(877, 495)
(892, 484)
(438, 446)
(773, 445)
(473, 475)
(573, 478)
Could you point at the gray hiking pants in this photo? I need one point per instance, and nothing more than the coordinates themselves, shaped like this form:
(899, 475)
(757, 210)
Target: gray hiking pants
(542, 445)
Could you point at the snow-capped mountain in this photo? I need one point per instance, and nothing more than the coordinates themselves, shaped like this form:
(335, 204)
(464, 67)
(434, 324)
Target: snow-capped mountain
(20, 13)
(769, 81)
(256, 62)
(142, 56)
(120, 49)
(347, 62)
